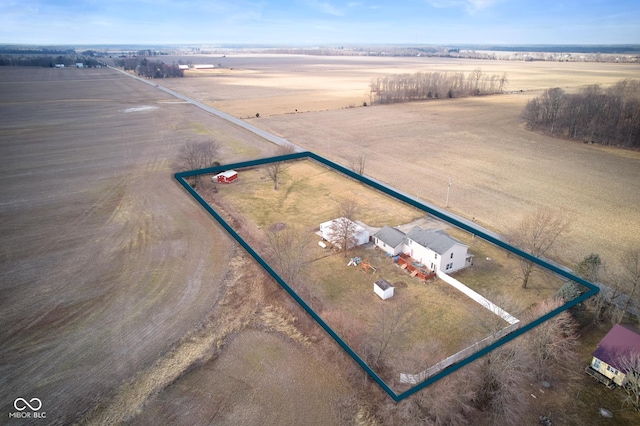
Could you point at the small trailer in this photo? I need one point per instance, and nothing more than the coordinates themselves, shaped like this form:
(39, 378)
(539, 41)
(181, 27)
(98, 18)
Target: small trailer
(226, 177)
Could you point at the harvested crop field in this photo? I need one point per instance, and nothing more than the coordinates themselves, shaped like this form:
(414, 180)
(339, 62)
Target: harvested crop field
(97, 266)
(499, 170)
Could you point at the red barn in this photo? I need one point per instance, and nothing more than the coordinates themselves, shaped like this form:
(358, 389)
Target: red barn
(226, 177)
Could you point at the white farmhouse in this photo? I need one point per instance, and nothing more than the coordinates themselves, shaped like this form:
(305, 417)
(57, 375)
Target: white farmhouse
(433, 248)
(359, 235)
(437, 250)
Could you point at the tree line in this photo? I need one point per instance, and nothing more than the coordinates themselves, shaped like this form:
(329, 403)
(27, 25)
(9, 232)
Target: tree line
(434, 85)
(47, 61)
(608, 116)
(149, 69)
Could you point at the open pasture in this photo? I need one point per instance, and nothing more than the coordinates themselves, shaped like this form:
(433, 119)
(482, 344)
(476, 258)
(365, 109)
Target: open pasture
(308, 195)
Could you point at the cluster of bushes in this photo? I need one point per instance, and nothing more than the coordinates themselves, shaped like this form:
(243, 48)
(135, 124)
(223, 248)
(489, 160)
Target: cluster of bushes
(434, 85)
(149, 69)
(606, 116)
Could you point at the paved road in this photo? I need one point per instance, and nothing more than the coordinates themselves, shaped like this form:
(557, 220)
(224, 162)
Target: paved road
(268, 136)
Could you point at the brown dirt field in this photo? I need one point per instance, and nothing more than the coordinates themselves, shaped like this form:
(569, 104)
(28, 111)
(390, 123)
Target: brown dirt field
(258, 379)
(97, 266)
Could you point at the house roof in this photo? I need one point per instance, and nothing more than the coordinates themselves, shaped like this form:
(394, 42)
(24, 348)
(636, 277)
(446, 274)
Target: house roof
(228, 173)
(357, 229)
(383, 284)
(434, 239)
(390, 236)
(619, 343)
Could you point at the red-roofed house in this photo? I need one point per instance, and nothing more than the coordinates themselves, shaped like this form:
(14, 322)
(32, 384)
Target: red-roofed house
(621, 342)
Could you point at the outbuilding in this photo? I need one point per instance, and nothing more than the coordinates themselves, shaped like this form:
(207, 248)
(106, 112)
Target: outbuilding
(335, 230)
(383, 288)
(226, 177)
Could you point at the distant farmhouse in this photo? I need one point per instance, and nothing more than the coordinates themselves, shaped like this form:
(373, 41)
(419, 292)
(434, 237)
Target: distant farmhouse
(608, 363)
(432, 247)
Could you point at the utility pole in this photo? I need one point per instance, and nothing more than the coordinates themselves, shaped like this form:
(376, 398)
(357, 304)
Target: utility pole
(448, 190)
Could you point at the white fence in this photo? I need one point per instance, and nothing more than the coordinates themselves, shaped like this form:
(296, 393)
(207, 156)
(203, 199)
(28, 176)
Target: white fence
(514, 323)
(478, 298)
(457, 357)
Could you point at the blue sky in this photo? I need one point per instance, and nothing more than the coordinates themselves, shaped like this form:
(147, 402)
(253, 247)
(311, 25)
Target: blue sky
(320, 22)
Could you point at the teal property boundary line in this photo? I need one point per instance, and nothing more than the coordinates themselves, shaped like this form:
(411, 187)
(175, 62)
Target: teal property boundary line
(592, 289)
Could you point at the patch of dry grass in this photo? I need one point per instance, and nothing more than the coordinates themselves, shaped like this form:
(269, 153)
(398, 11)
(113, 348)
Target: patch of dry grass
(253, 195)
(439, 313)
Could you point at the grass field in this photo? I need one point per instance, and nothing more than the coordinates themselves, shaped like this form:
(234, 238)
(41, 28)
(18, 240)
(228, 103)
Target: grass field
(303, 181)
(439, 314)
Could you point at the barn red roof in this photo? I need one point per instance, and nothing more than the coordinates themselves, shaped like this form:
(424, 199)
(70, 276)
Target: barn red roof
(619, 343)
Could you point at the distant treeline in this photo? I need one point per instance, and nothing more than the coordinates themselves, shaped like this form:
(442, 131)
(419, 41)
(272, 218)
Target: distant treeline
(435, 85)
(558, 48)
(606, 116)
(35, 51)
(149, 69)
(47, 61)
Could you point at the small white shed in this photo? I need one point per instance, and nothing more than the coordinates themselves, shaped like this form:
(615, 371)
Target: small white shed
(383, 288)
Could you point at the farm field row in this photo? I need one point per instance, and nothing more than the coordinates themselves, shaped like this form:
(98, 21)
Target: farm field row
(106, 264)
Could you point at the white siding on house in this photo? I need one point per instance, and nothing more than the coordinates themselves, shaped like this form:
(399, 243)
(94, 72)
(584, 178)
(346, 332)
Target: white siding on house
(436, 250)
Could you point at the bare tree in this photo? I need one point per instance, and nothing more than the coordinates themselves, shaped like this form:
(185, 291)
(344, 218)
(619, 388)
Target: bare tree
(275, 169)
(392, 322)
(357, 164)
(630, 277)
(289, 251)
(631, 385)
(500, 379)
(552, 100)
(538, 234)
(552, 343)
(504, 80)
(198, 155)
(344, 228)
(449, 401)
(592, 114)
